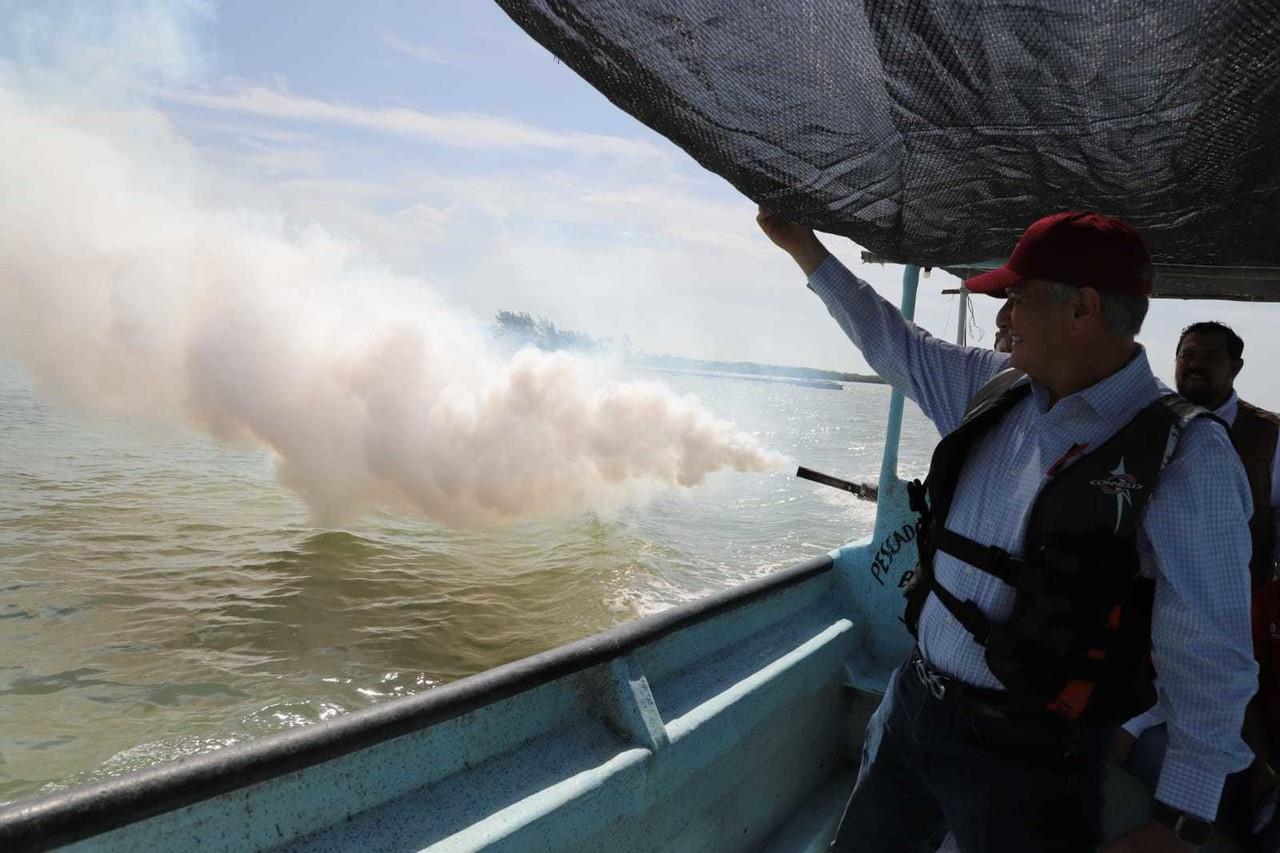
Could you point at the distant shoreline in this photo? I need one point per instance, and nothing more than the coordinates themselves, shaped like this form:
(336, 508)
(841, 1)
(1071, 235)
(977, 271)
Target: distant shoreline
(520, 328)
(821, 384)
(808, 377)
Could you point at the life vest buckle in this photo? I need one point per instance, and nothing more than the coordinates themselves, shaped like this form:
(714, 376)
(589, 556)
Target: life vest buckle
(1001, 563)
(933, 683)
(916, 499)
(976, 623)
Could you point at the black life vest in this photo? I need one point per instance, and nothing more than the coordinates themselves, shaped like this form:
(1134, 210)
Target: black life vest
(1078, 641)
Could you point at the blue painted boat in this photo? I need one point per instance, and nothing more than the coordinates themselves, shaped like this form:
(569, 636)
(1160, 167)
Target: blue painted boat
(733, 723)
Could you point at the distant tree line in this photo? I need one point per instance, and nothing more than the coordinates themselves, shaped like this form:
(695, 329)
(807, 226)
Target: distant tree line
(524, 329)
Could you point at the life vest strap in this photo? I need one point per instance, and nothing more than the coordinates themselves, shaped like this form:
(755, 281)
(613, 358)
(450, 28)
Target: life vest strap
(966, 613)
(994, 561)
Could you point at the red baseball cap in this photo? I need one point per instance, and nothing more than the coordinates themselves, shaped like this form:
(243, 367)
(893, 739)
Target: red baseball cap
(1078, 248)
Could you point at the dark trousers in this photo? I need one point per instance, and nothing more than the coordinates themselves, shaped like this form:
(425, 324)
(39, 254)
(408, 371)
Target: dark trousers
(930, 765)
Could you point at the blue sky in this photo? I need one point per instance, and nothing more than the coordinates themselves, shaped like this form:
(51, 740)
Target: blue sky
(452, 146)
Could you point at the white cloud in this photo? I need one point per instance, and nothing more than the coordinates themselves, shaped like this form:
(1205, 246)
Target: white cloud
(420, 52)
(283, 161)
(422, 220)
(673, 260)
(109, 43)
(460, 130)
(244, 130)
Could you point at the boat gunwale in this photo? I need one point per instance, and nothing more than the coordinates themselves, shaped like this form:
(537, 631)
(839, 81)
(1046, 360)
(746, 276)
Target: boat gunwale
(93, 809)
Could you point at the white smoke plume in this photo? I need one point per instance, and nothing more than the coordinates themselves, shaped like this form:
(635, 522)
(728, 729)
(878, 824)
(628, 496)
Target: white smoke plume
(121, 290)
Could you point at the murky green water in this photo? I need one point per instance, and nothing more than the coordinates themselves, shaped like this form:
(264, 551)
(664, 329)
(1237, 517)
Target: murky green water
(162, 595)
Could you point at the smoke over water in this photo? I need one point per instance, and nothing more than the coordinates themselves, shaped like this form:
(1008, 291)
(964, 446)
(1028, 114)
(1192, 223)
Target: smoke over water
(123, 292)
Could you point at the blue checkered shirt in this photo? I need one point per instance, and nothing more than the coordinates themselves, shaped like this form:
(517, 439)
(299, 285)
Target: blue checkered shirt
(1194, 538)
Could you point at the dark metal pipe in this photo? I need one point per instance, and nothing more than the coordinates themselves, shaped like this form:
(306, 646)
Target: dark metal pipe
(862, 491)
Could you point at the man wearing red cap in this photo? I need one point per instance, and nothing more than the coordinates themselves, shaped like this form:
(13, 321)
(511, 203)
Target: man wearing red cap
(1078, 516)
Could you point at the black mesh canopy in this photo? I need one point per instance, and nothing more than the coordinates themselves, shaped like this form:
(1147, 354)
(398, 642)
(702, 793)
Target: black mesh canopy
(935, 132)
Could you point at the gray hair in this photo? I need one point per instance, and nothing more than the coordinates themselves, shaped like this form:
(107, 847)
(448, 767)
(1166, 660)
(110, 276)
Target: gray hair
(1122, 313)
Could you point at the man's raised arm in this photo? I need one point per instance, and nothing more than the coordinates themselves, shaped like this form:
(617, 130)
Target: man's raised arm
(940, 377)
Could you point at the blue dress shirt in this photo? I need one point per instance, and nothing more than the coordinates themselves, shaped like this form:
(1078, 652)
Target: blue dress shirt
(1155, 715)
(1194, 538)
